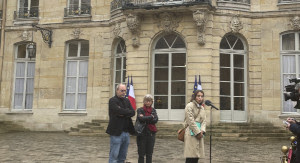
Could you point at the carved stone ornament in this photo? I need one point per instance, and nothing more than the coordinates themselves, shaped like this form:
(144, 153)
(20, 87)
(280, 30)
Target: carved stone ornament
(201, 18)
(168, 21)
(76, 33)
(133, 24)
(117, 30)
(295, 23)
(25, 36)
(235, 24)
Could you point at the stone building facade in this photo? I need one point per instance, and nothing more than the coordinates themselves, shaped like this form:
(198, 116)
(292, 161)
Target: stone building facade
(244, 51)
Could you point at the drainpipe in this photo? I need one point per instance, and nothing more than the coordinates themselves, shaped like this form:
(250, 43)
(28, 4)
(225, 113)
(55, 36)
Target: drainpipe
(2, 43)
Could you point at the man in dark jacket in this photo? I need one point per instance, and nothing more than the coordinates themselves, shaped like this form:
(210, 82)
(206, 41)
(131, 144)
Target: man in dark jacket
(120, 125)
(294, 127)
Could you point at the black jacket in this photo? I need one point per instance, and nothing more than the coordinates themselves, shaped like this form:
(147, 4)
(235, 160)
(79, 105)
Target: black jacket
(146, 119)
(120, 113)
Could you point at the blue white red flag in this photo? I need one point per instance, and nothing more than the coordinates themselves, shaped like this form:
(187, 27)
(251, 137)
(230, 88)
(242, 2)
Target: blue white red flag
(131, 95)
(127, 88)
(199, 87)
(195, 84)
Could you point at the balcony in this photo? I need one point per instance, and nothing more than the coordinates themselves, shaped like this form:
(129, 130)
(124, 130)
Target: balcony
(78, 11)
(26, 13)
(152, 4)
(234, 4)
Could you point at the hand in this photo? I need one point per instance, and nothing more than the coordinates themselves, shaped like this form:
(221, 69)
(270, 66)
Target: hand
(141, 115)
(200, 135)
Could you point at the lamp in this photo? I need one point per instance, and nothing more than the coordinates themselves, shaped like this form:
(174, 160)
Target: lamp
(46, 34)
(31, 50)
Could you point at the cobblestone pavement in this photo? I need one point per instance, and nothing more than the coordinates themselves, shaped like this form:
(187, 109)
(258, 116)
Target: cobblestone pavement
(31, 147)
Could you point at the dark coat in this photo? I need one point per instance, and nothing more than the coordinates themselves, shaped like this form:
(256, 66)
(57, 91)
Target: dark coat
(120, 112)
(146, 119)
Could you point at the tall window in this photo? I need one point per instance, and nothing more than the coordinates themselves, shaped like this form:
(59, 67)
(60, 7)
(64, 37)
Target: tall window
(290, 60)
(78, 7)
(120, 63)
(232, 74)
(24, 79)
(169, 73)
(28, 8)
(76, 77)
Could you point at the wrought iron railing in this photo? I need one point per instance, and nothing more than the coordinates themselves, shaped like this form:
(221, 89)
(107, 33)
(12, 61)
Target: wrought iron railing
(236, 1)
(288, 1)
(131, 4)
(32, 12)
(78, 11)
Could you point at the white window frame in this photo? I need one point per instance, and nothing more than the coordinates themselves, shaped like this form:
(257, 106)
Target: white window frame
(296, 54)
(79, 3)
(25, 60)
(121, 55)
(77, 59)
(29, 6)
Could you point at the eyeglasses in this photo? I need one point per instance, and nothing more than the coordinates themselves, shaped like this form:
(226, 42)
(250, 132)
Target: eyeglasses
(123, 90)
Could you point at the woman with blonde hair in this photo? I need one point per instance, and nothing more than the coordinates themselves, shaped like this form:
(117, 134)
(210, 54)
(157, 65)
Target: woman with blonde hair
(146, 139)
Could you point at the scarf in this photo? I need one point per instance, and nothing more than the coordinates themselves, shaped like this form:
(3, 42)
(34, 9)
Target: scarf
(148, 111)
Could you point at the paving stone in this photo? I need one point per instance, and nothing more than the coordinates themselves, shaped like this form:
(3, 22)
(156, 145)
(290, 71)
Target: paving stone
(33, 147)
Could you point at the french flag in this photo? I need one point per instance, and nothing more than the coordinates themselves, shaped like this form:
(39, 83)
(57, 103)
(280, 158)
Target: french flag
(131, 95)
(199, 87)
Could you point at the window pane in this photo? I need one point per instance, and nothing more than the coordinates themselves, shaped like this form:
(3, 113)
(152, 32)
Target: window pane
(21, 51)
(178, 88)
(29, 86)
(72, 68)
(288, 41)
(82, 85)
(238, 60)
(84, 48)
(124, 76)
(239, 89)
(118, 63)
(20, 69)
(239, 45)
(179, 43)
(161, 60)
(71, 85)
(225, 103)
(225, 74)
(73, 49)
(29, 101)
(70, 101)
(289, 64)
(178, 73)
(30, 69)
(161, 74)
(81, 101)
(177, 102)
(224, 60)
(23, 3)
(178, 59)
(161, 44)
(239, 75)
(160, 102)
(170, 39)
(239, 103)
(124, 63)
(160, 88)
(118, 77)
(224, 88)
(85, 1)
(83, 68)
(231, 39)
(34, 3)
(18, 99)
(224, 44)
(19, 86)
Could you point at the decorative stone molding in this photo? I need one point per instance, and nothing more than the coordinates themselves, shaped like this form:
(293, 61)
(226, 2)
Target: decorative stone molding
(117, 30)
(25, 36)
(295, 23)
(133, 24)
(201, 18)
(168, 21)
(235, 24)
(76, 33)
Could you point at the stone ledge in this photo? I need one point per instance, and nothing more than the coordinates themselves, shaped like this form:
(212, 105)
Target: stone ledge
(285, 116)
(19, 112)
(74, 113)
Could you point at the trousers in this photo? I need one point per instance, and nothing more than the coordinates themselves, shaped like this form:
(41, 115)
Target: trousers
(145, 144)
(119, 148)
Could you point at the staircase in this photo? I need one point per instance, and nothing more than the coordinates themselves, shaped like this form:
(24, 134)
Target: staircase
(9, 126)
(220, 131)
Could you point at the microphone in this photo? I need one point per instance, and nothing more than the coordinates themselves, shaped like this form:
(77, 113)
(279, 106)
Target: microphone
(208, 103)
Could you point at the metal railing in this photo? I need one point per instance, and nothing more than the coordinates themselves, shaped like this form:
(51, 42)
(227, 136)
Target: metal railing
(24, 13)
(236, 1)
(78, 11)
(131, 4)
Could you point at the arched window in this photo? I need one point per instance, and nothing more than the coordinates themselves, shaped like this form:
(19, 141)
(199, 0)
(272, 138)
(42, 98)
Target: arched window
(76, 78)
(24, 78)
(233, 78)
(120, 63)
(290, 60)
(169, 74)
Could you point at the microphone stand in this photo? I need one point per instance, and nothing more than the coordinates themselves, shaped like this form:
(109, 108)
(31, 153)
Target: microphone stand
(210, 134)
